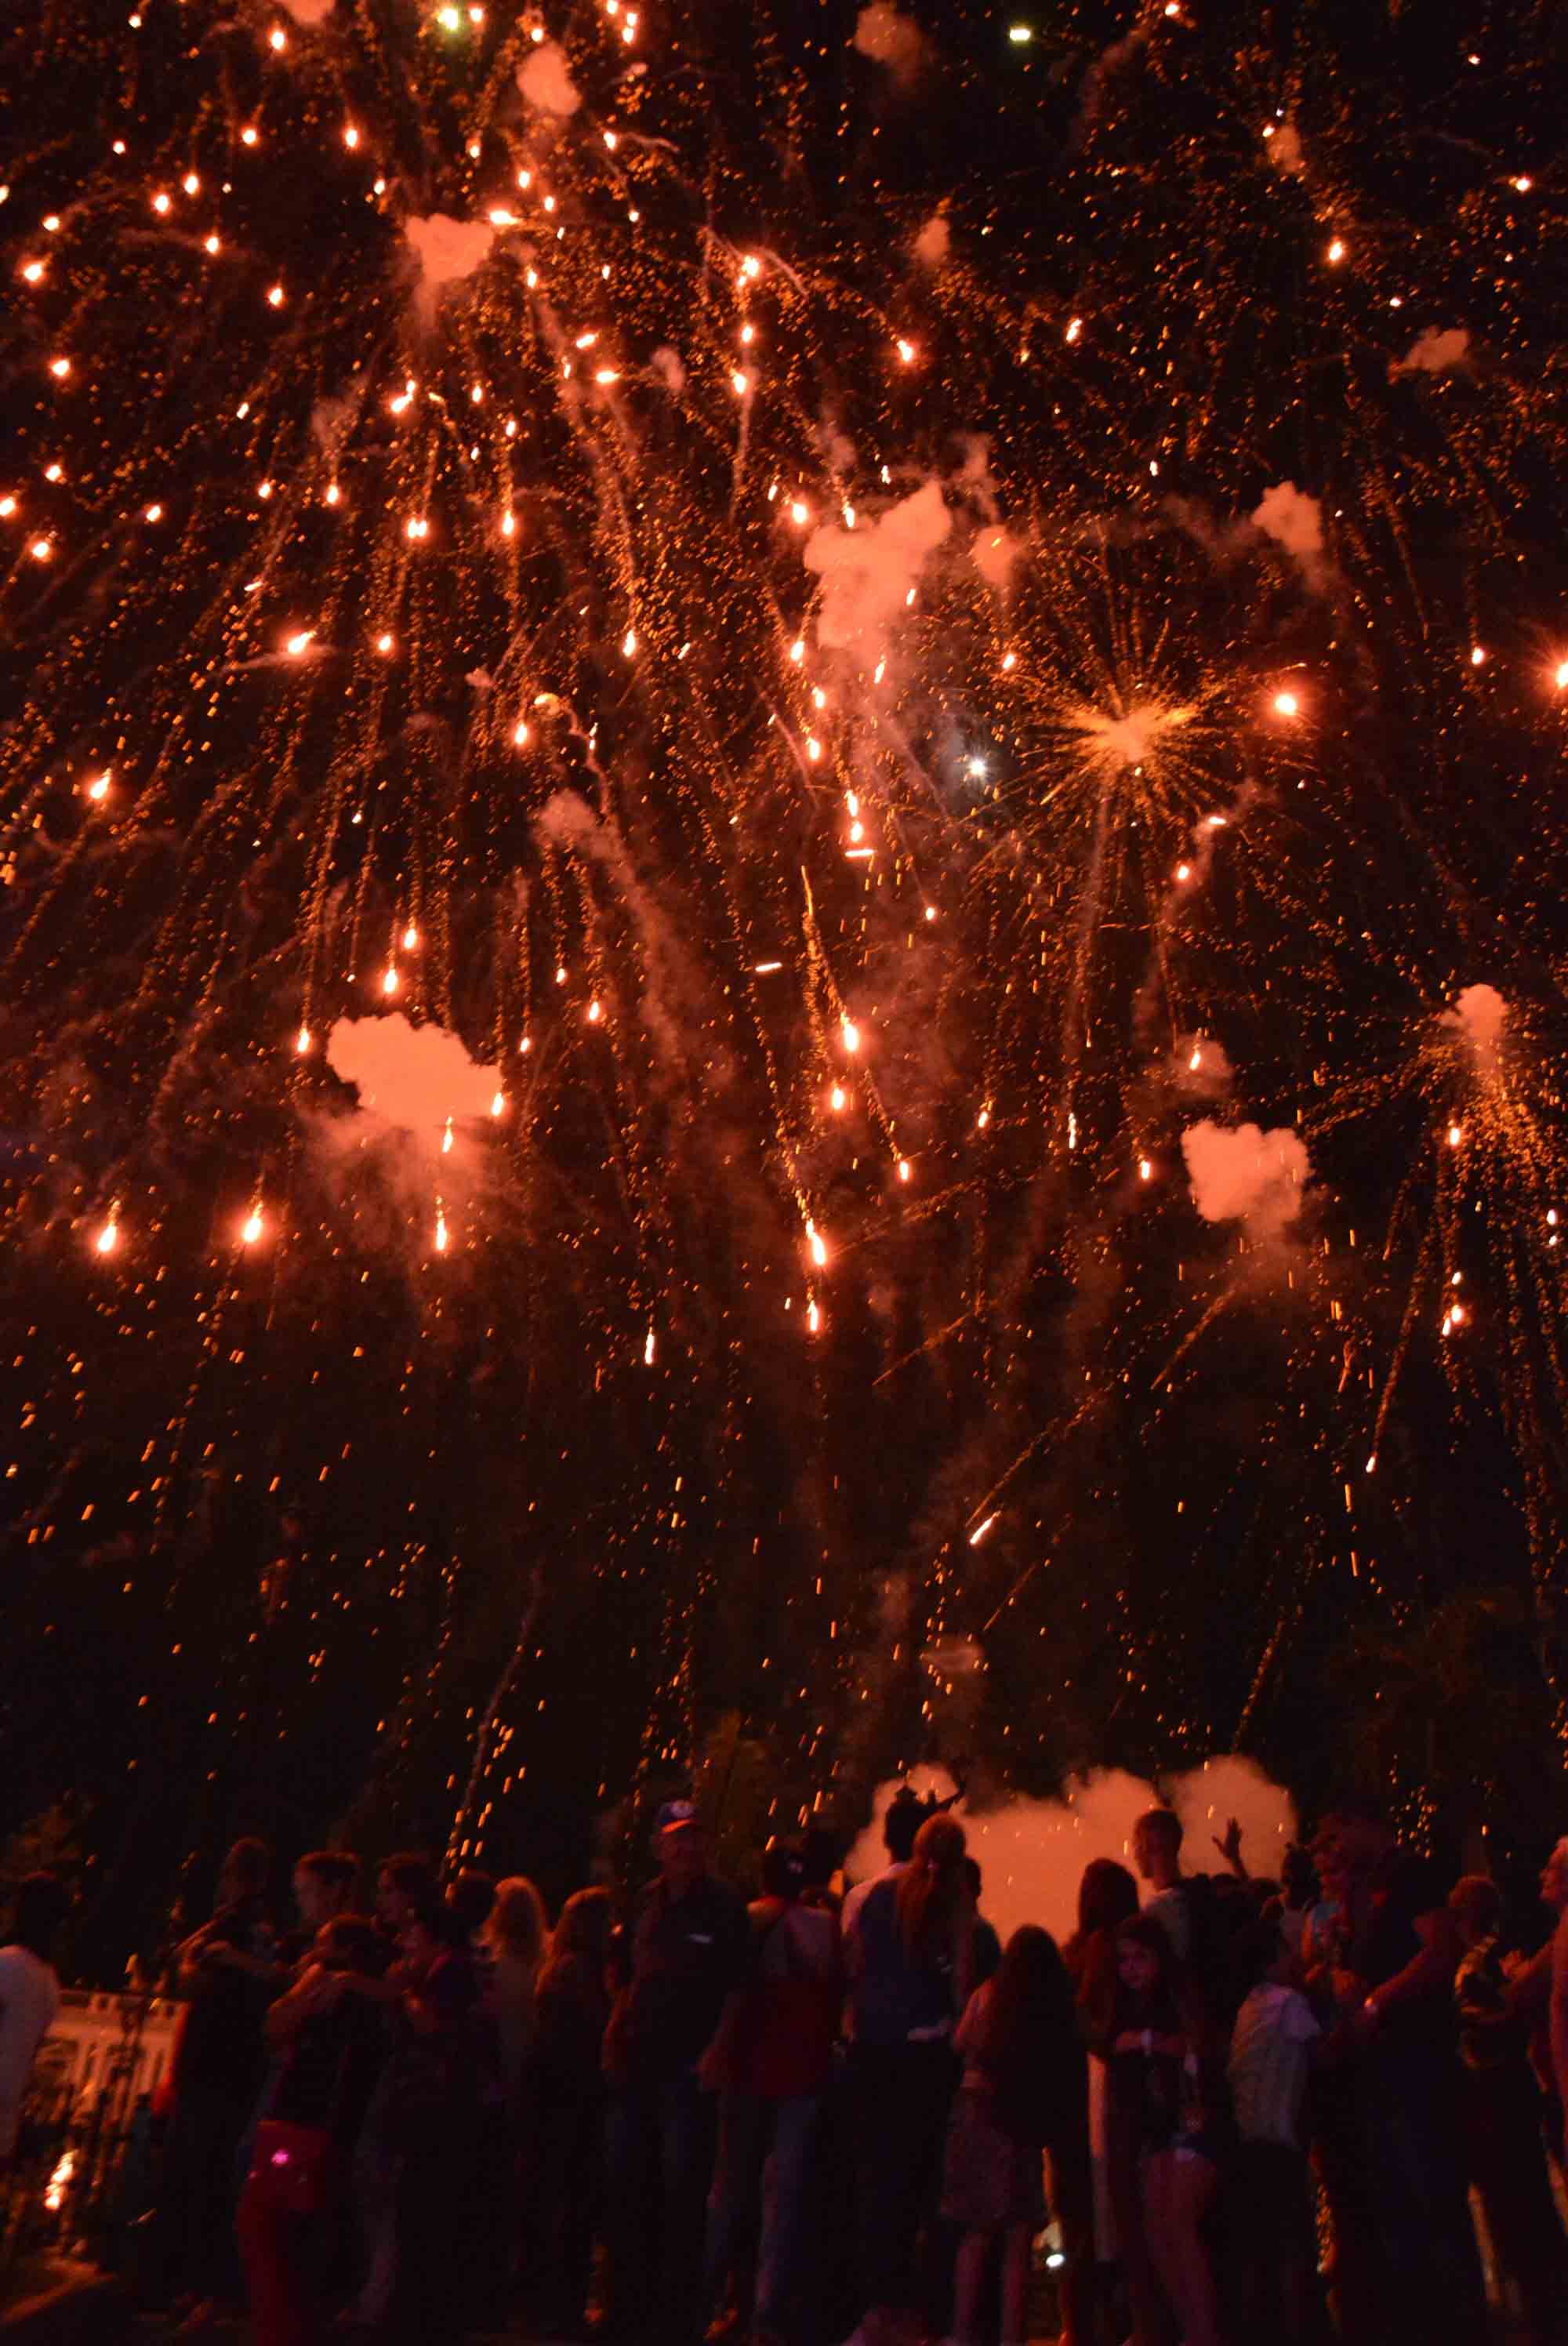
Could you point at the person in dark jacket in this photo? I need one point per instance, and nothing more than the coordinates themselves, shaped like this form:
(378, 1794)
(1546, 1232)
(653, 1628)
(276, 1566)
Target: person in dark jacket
(565, 2094)
(689, 1951)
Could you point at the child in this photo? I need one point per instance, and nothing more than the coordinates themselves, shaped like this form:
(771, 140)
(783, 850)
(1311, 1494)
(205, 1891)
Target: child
(1024, 2089)
(1271, 2052)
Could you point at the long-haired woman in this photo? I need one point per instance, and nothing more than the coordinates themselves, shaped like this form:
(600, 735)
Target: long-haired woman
(1023, 2093)
(1166, 2130)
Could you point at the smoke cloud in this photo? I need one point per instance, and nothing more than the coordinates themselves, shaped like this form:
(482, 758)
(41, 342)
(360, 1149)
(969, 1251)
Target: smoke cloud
(1294, 521)
(446, 250)
(1437, 351)
(1242, 1174)
(867, 573)
(893, 40)
(934, 242)
(546, 81)
(308, 13)
(410, 1079)
(1032, 1853)
(1477, 1019)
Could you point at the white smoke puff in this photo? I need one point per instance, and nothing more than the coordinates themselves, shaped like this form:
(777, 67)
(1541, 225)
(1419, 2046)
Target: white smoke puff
(1285, 149)
(1293, 520)
(1242, 1174)
(546, 81)
(1032, 1853)
(891, 39)
(446, 250)
(1201, 1065)
(867, 572)
(1478, 1018)
(934, 242)
(995, 554)
(1437, 351)
(667, 365)
(308, 13)
(410, 1079)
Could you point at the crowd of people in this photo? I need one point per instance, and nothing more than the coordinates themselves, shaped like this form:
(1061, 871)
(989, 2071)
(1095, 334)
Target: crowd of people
(1235, 2109)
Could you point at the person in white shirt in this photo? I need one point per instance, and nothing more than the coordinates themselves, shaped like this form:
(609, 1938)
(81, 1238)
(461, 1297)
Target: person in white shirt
(1272, 2053)
(906, 1814)
(29, 1996)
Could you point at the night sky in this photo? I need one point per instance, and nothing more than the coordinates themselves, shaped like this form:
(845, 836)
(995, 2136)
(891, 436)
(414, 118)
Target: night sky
(782, 819)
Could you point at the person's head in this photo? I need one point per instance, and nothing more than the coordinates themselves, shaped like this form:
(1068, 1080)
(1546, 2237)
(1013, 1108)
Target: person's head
(42, 1904)
(1157, 1847)
(823, 1851)
(348, 1944)
(1353, 1834)
(1144, 1963)
(1261, 1954)
(583, 1931)
(1298, 1877)
(973, 1879)
(784, 1870)
(428, 1926)
(906, 1814)
(1107, 1895)
(516, 1925)
(680, 1845)
(1476, 1903)
(406, 1882)
(325, 1884)
(932, 1893)
(243, 1874)
(471, 1896)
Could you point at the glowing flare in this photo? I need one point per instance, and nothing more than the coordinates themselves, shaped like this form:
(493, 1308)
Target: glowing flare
(819, 1250)
(648, 1349)
(1285, 704)
(498, 1104)
(903, 1168)
(1145, 1169)
(297, 645)
(302, 1041)
(1335, 250)
(411, 939)
(629, 642)
(813, 1318)
(1477, 656)
(851, 1035)
(595, 1014)
(98, 787)
(440, 1231)
(251, 1227)
(907, 351)
(978, 1533)
(389, 981)
(1455, 1134)
(108, 1237)
(836, 1097)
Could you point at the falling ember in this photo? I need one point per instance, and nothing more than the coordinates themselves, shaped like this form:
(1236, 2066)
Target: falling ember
(595, 1012)
(447, 1137)
(440, 1231)
(251, 1227)
(1145, 1169)
(303, 1042)
(1477, 656)
(1197, 1059)
(903, 1168)
(498, 1104)
(108, 1237)
(818, 1251)
(98, 787)
(299, 644)
(1335, 250)
(390, 982)
(1285, 704)
(1562, 676)
(907, 351)
(1455, 1134)
(520, 735)
(410, 938)
(629, 642)
(648, 1349)
(813, 1317)
(978, 1533)
(851, 1035)
(836, 1097)
(59, 2181)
